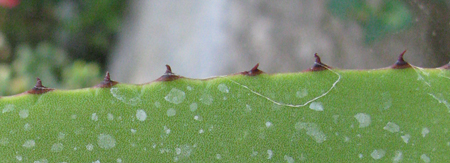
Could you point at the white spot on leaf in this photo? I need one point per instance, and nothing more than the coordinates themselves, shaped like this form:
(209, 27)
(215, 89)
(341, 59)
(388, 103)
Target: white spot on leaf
(206, 99)
(141, 115)
(27, 127)
(94, 117)
(106, 141)
(269, 154)
(335, 119)
(268, 124)
(289, 159)
(29, 144)
(248, 108)
(387, 100)
(166, 130)
(89, 147)
(218, 156)
(363, 119)
(57, 147)
(193, 107)
(317, 106)
(171, 112)
(4, 141)
(175, 96)
(398, 156)
(23, 113)
(61, 136)
(41, 161)
(312, 130)
(184, 151)
(391, 127)
(110, 116)
(301, 93)
(406, 138)
(378, 154)
(128, 96)
(8, 108)
(198, 118)
(425, 131)
(425, 158)
(223, 88)
(157, 104)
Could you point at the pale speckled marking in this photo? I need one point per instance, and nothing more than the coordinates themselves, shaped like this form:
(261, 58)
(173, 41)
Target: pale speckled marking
(392, 127)
(312, 130)
(175, 96)
(106, 141)
(132, 98)
(425, 158)
(398, 156)
(378, 154)
(363, 119)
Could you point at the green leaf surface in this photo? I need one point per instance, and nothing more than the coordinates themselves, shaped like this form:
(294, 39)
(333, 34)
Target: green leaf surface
(324, 116)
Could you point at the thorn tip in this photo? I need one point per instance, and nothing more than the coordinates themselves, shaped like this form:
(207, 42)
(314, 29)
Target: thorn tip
(318, 65)
(168, 69)
(317, 58)
(38, 83)
(253, 72)
(255, 68)
(401, 63)
(39, 88)
(168, 75)
(107, 77)
(107, 82)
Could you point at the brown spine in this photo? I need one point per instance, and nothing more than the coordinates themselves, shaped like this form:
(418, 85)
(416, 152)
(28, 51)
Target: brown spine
(39, 88)
(318, 65)
(169, 75)
(253, 72)
(401, 63)
(107, 82)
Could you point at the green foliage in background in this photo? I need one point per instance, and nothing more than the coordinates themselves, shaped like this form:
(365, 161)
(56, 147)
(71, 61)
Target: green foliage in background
(49, 63)
(85, 29)
(56, 41)
(377, 20)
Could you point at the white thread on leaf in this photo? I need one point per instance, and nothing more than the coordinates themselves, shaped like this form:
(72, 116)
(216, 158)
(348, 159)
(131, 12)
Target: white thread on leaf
(293, 105)
(419, 76)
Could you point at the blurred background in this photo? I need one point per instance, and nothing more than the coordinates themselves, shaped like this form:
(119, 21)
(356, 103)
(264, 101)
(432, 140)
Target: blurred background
(71, 43)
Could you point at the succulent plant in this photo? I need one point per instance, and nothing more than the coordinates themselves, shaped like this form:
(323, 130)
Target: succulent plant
(322, 114)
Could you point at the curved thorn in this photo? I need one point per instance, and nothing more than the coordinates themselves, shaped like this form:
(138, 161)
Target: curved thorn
(107, 82)
(255, 68)
(400, 57)
(38, 83)
(401, 63)
(253, 72)
(318, 65)
(168, 75)
(168, 70)
(317, 58)
(39, 88)
(107, 77)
